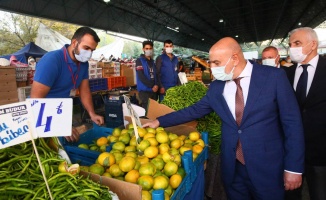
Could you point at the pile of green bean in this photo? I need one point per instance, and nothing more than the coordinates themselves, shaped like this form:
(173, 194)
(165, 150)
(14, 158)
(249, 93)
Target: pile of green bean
(21, 178)
(182, 96)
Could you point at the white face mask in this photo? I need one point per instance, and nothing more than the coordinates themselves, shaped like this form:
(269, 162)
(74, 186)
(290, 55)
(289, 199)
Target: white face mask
(83, 55)
(148, 53)
(296, 54)
(219, 72)
(169, 50)
(269, 62)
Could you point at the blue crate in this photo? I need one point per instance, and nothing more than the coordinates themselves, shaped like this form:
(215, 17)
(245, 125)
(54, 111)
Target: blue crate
(98, 84)
(83, 156)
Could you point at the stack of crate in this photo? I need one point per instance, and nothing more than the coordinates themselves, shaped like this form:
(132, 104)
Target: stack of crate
(8, 87)
(93, 71)
(109, 69)
(198, 74)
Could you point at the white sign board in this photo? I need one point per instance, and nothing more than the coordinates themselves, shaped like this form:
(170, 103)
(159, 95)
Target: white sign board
(53, 117)
(16, 124)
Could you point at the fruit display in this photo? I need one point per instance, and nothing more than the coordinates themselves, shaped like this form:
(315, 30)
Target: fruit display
(182, 96)
(158, 166)
(21, 176)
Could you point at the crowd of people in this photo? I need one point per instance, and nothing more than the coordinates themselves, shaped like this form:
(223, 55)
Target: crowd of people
(273, 115)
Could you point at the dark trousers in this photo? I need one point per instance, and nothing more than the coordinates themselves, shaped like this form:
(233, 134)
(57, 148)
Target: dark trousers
(144, 96)
(243, 189)
(316, 180)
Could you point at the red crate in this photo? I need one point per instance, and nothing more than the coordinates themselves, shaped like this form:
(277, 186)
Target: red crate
(116, 82)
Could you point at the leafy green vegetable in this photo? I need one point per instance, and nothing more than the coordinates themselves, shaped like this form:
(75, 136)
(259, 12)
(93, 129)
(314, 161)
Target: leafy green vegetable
(182, 96)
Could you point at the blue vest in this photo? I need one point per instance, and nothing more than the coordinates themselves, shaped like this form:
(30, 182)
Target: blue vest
(169, 71)
(140, 85)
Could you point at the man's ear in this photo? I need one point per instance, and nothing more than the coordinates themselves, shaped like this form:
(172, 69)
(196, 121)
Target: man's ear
(235, 59)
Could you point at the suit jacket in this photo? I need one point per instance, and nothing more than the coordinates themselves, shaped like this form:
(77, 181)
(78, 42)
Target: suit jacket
(271, 130)
(313, 113)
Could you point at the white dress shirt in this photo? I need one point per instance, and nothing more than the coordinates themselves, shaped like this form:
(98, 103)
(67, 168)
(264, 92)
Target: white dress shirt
(230, 88)
(311, 72)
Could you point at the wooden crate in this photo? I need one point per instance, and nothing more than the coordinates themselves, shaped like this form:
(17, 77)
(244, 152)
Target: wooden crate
(8, 87)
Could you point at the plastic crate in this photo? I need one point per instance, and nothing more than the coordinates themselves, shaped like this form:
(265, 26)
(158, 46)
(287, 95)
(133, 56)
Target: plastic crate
(21, 73)
(83, 156)
(113, 111)
(23, 92)
(116, 82)
(98, 84)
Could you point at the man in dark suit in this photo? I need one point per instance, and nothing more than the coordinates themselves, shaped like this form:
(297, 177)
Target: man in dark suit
(262, 135)
(309, 73)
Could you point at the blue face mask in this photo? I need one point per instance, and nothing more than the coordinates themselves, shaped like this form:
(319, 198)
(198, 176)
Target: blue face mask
(219, 72)
(83, 56)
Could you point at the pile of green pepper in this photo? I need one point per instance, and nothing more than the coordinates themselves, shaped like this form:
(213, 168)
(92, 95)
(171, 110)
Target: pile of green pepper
(20, 176)
(182, 96)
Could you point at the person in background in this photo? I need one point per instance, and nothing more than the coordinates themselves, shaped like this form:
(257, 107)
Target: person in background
(271, 57)
(167, 69)
(60, 73)
(288, 62)
(307, 77)
(262, 135)
(181, 66)
(146, 75)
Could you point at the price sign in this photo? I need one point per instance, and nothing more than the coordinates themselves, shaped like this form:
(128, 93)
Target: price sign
(16, 124)
(53, 117)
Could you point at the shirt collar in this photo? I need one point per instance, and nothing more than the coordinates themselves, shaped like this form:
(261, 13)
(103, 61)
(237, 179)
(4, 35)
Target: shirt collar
(313, 62)
(246, 72)
(69, 60)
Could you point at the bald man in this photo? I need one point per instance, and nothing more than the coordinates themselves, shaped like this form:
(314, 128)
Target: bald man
(262, 143)
(270, 57)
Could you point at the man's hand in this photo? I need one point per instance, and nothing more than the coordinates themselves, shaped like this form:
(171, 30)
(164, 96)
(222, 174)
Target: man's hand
(155, 88)
(74, 135)
(97, 119)
(152, 124)
(292, 181)
(162, 90)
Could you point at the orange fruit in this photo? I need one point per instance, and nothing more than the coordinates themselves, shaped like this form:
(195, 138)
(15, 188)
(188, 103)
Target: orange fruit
(182, 137)
(181, 171)
(143, 159)
(115, 170)
(152, 140)
(143, 145)
(83, 146)
(183, 149)
(148, 135)
(175, 180)
(133, 141)
(147, 169)
(141, 132)
(132, 176)
(107, 174)
(163, 148)
(150, 130)
(125, 138)
(176, 143)
(151, 152)
(116, 132)
(169, 190)
(119, 146)
(63, 167)
(194, 136)
(162, 137)
(146, 195)
(113, 139)
(197, 149)
(102, 141)
(127, 163)
(131, 154)
(170, 168)
(130, 149)
(158, 162)
(200, 142)
(146, 182)
(106, 159)
(173, 136)
(160, 182)
(96, 169)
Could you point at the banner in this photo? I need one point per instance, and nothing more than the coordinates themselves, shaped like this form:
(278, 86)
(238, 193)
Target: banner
(53, 117)
(16, 124)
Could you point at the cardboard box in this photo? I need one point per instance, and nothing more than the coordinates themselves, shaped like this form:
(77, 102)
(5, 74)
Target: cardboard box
(124, 190)
(156, 110)
(128, 72)
(103, 64)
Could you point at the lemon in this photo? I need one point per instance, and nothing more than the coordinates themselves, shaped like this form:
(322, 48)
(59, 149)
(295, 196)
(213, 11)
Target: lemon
(119, 146)
(127, 163)
(194, 136)
(162, 137)
(83, 146)
(106, 159)
(146, 182)
(175, 180)
(116, 132)
(147, 169)
(96, 169)
(170, 168)
(132, 176)
(160, 182)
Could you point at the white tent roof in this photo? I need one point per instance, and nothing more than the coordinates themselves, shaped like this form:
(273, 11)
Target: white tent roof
(49, 39)
(114, 49)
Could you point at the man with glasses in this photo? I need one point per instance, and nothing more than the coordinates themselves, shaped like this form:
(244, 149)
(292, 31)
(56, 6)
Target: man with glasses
(262, 135)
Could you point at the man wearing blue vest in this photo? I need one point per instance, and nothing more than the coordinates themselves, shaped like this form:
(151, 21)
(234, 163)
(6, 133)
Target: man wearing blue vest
(61, 72)
(167, 69)
(146, 75)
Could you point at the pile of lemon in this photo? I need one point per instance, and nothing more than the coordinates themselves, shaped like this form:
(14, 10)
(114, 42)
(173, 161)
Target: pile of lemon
(154, 163)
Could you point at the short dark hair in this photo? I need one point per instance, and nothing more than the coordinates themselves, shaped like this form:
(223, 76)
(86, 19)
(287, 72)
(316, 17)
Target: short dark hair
(147, 42)
(80, 32)
(167, 42)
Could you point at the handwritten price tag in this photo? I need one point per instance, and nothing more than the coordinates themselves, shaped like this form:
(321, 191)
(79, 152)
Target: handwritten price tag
(53, 117)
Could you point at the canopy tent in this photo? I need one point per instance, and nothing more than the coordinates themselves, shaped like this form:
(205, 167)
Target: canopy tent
(114, 49)
(31, 49)
(49, 39)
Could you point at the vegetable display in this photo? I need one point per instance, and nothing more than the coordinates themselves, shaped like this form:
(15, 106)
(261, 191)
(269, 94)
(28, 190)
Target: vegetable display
(182, 96)
(20, 176)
